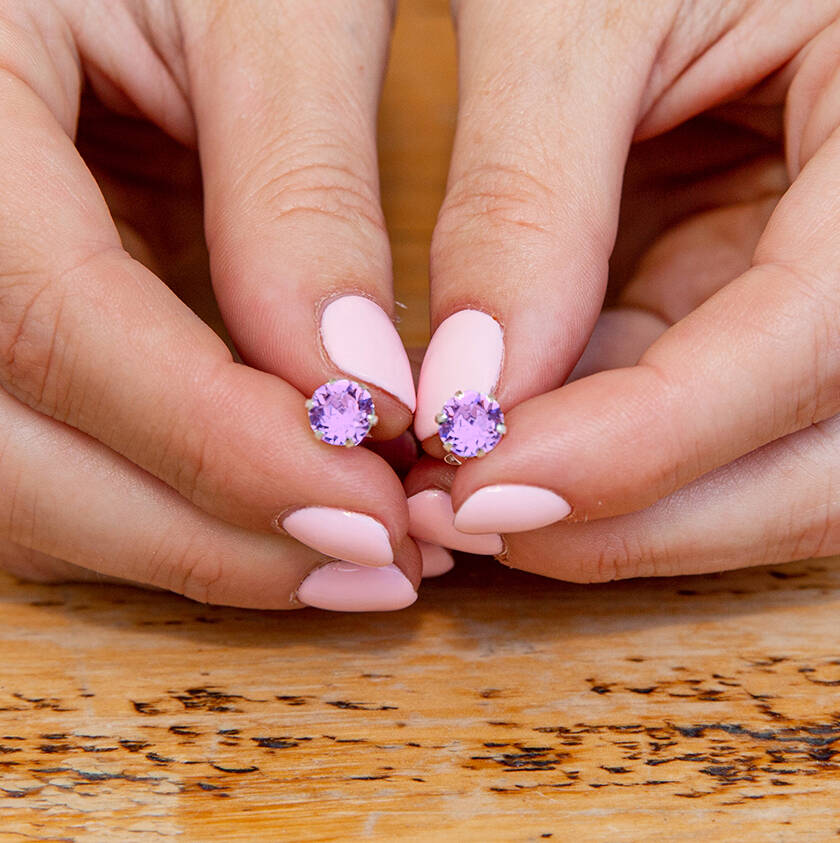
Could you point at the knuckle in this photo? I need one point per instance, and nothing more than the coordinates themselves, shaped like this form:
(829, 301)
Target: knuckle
(191, 567)
(614, 559)
(38, 334)
(805, 298)
(323, 184)
(815, 521)
(30, 319)
(182, 459)
(629, 555)
(495, 200)
(674, 451)
(325, 192)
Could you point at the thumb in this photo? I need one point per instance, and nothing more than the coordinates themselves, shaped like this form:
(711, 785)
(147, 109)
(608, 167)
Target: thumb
(522, 243)
(299, 252)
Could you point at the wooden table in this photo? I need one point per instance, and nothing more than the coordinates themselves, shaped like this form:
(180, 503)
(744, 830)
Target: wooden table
(499, 707)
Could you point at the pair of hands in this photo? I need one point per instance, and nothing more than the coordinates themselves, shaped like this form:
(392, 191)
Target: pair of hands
(685, 152)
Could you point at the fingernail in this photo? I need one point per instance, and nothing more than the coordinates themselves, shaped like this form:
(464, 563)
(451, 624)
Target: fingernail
(437, 560)
(345, 587)
(362, 341)
(510, 508)
(431, 519)
(347, 535)
(465, 353)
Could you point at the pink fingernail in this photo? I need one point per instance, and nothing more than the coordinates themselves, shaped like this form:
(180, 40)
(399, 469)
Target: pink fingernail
(362, 341)
(345, 587)
(346, 535)
(431, 519)
(465, 353)
(437, 560)
(510, 508)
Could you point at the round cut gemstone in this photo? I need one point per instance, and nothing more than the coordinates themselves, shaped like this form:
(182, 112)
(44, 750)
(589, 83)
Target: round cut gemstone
(471, 424)
(341, 412)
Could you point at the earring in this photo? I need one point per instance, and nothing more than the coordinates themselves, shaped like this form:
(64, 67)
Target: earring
(341, 412)
(471, 424)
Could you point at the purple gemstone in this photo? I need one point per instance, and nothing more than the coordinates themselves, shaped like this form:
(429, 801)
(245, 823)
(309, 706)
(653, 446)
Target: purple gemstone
(341, 412)
(471, 424)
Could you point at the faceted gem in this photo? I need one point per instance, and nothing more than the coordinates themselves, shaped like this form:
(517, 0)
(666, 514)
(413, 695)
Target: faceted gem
(341, 412)
(471, 424)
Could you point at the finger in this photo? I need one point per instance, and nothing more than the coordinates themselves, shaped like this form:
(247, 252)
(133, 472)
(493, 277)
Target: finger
(774, 505)
(66, 495)
(620, 337)
(684, 267)
(753, 363)
(436, 560)
(520, 251)
(431, 518)
(94, 339)
(31, 566)
(299, 252)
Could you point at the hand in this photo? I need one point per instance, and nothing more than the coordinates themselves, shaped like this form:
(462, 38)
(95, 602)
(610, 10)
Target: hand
(700, 431)
(133, 446)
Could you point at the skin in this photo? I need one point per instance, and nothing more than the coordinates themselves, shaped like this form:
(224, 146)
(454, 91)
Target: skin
(697, 432)
(133, 444)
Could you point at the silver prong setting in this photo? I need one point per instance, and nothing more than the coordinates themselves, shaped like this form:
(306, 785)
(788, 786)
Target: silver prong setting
(309, 403)
(373, 419)
(470, 424)
(318, 434)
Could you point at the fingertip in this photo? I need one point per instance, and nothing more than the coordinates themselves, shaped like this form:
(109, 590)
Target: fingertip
(437, 560)
(465, 352)
(346, 587)
(361, 340)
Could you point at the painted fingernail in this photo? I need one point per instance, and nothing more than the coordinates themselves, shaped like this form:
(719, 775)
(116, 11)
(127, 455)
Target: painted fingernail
(437, 560)
(345, 587)
(362, 341)
(346, 535)
(510, 508)
(465, 353)
(431, 519)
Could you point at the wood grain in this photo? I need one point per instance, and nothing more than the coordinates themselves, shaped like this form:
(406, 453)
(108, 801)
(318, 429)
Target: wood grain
(499, 707)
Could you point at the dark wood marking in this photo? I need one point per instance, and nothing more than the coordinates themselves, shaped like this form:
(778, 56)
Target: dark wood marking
(156, 758)
(490, 693)
(144, 707)
(251, 769)
(210, 699)
(183, 730)
(278, 743)
(133, 745)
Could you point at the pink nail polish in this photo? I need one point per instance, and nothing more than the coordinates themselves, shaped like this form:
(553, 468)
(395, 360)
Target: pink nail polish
(362, 341)
(437, 560)
(430, 518)
(345, 587)
(346, 535)
(465, 352)
(510, 508)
